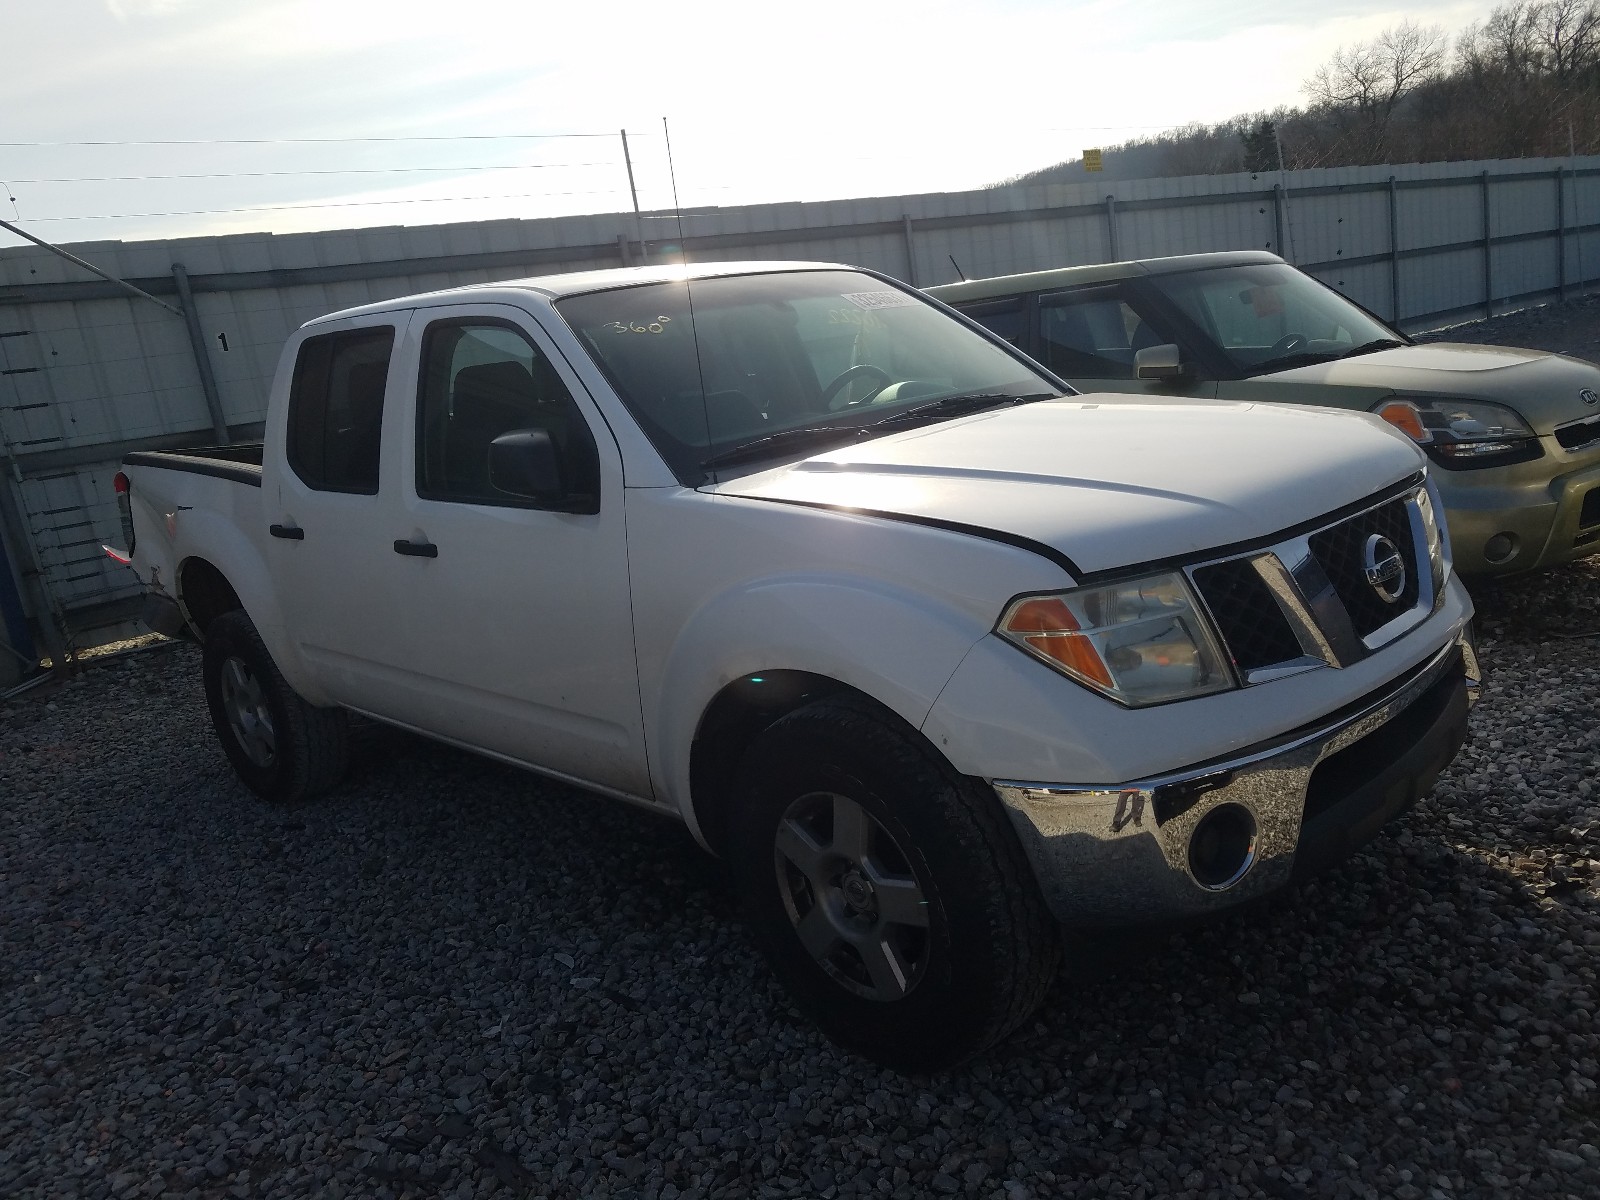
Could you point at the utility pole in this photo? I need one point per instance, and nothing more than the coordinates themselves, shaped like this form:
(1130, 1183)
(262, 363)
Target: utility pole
(87, 266)
(638, 221)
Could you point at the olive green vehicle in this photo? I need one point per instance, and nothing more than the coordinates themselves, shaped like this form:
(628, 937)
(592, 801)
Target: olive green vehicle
(1514, 434)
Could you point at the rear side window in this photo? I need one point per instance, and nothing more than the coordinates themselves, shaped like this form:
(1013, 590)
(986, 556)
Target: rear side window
(1005, 318)
(336, 409)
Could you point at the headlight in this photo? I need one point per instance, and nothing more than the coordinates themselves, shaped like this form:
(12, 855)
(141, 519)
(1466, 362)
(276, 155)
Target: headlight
(1433, 527)
(1141, 642)
(1463, 433)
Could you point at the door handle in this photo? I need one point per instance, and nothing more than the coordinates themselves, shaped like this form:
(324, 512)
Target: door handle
(293, 532)
(417, 549)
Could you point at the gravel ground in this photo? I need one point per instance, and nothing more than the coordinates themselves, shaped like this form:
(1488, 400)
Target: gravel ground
(1572, 328)
(452, 979)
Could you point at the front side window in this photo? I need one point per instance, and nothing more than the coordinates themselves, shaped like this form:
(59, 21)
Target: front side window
(482, 379)
(1096, 334)
(336, 409)
(720, 366)
(1270, 316)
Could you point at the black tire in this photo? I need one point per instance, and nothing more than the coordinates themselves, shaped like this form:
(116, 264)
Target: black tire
(281, 747)
(989, 950)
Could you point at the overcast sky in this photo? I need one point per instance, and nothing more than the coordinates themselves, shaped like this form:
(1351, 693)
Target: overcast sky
(515, 105)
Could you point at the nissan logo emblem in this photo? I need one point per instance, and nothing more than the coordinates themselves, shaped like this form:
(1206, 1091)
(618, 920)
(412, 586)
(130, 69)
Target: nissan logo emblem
(1589, 396)
(1385, 569)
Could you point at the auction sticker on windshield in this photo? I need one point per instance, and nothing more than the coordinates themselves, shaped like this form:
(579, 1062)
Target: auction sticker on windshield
(880, 299)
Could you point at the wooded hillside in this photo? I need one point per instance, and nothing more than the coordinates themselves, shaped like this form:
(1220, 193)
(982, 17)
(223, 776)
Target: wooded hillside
(1525, 83)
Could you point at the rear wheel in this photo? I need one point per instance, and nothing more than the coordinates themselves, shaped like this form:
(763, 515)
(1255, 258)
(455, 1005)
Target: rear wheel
(280, 746)
(889, 894)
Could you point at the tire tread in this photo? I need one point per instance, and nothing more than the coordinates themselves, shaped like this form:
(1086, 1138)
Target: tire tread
(1020, 926)
(313, 747)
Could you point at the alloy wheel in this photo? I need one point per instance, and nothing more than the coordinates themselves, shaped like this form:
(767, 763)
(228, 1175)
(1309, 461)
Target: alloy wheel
(852, 895)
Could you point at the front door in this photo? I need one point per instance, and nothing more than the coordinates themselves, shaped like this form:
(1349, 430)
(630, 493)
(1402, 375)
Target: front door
(521, 629)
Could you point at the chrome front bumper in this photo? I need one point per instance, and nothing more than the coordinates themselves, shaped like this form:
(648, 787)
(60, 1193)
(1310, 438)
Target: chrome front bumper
(1120, 855)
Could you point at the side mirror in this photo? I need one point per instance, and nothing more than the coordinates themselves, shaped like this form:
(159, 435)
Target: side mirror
(1158, 362)
(524, 463)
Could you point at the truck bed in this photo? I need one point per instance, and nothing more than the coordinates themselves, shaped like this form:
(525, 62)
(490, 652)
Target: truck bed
(240, 463)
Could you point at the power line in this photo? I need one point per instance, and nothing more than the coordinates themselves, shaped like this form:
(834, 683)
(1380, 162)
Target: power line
(206, 212)
(461, 137)
(341, 171)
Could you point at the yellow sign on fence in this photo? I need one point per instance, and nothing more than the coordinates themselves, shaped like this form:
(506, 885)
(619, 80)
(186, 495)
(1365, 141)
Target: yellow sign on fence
(1091, 160)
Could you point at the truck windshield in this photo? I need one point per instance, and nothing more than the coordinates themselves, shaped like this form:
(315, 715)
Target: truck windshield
(1270, 317)
(812, 352)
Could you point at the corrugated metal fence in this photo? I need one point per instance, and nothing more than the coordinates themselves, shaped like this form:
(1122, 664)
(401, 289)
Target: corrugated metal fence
(88, 373)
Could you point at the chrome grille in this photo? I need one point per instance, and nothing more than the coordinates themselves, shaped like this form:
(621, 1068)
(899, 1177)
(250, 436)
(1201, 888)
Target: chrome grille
(1342, 552)
(1307, 601)
(1252, 625)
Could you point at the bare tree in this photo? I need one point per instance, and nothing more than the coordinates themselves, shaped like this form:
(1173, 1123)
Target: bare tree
(1372, 77)
(1504, 45)
(1569, 31)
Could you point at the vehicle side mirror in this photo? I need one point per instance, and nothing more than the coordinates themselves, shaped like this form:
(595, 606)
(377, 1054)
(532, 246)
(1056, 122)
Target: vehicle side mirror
(524, 463)
(1158, 362)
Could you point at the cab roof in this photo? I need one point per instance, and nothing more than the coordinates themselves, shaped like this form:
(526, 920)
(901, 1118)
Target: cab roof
(1042, 281)
(556, 287)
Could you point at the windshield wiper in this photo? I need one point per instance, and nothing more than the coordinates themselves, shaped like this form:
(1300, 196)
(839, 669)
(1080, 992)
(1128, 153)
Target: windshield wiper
(957, 406)
(1288, 362)
(805, 435)
(1373, 346)
(776, 443)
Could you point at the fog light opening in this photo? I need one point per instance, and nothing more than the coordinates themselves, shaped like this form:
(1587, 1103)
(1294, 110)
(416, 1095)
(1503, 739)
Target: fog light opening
(1223, 847)
(1501, 548)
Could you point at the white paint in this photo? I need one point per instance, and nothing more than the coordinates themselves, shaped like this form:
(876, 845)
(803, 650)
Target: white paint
(1111, 480)
(573, 643)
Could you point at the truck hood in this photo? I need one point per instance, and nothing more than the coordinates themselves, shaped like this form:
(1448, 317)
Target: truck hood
(1108, 481)
(1544, 389)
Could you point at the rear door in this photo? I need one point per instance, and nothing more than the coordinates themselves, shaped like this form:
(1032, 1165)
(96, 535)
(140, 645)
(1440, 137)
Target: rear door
(327, 516)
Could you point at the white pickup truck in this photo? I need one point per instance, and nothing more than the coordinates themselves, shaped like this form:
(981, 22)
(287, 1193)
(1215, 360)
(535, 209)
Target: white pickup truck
(934, 652)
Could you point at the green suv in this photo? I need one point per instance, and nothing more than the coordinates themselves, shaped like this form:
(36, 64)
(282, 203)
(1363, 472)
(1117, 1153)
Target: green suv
(1514, 434)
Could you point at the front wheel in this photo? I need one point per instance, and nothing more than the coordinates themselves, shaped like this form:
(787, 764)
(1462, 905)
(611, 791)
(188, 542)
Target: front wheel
(281, 747)
(889, 894)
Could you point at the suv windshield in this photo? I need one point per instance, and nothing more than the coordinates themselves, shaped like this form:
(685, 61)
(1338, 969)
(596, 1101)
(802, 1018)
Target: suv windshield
(1271, 317)
(785, 361)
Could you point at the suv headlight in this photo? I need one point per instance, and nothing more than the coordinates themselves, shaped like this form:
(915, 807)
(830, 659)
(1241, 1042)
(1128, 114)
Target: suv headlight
(1461, 434)
(1141, 642)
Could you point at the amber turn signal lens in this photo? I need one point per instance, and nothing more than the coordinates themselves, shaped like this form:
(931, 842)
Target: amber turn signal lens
(1048, 626)
(1406, 419)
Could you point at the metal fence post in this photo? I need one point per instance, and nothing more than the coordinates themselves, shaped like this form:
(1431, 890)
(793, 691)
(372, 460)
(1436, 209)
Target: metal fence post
(1561, 232)
(1488, 248)
(911, 249)
(1111, 228)
(1277, 221)
(1577, 229)
(16, 641)
(1394, 251)
(202, 358)
(30, 572)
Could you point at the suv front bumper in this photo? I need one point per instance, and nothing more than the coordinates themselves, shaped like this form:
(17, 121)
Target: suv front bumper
(1547, 518)
(1109, 855)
